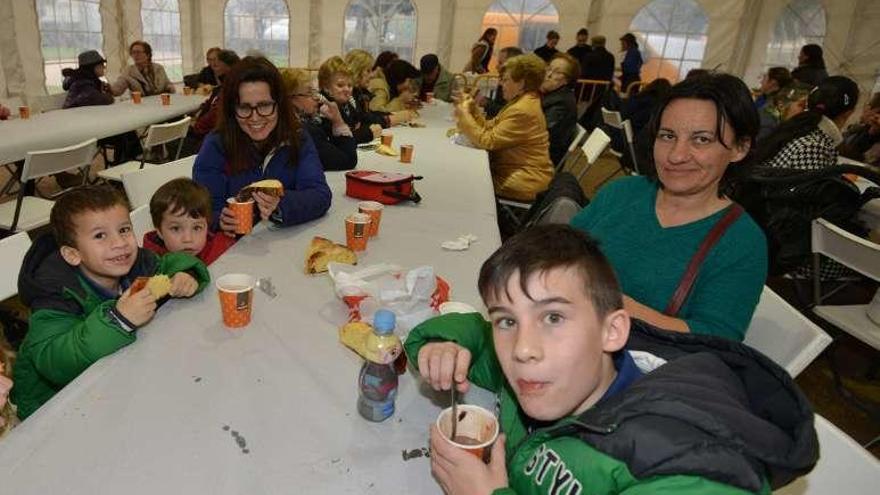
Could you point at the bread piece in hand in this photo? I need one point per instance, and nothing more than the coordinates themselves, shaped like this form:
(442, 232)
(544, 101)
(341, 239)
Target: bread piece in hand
(158, 285)
(323, 251)
(271, 187)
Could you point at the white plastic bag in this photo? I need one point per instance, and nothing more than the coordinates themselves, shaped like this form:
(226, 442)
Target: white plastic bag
(412, 294)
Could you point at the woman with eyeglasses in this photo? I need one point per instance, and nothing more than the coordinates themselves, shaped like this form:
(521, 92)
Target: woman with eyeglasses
(559, 103)
(333, 138)
(258, 137)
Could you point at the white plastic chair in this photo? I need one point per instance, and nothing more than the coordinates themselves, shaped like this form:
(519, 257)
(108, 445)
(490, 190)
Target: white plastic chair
(615, 120)
(140, 185)
(573, 147)
(592, 149)
(157, 135)
(141, 222)
(784, 335)
(844, 467)
(30, 212)
(12, 251)
(857, 253)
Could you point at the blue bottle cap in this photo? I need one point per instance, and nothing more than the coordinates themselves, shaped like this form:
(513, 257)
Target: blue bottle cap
(384, 321)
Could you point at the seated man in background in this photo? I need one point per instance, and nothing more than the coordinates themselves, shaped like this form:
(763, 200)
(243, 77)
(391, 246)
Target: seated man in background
(861, 140)
(435, 79)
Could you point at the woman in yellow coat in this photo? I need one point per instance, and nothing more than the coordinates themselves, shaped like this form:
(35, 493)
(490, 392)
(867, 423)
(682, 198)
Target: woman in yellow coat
(517, 138)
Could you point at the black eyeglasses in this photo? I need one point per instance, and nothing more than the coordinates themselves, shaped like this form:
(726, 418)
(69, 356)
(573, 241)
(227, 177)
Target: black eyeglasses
(264, 109)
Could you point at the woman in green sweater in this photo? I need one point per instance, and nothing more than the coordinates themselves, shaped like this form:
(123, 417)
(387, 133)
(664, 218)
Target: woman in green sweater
(651, 227)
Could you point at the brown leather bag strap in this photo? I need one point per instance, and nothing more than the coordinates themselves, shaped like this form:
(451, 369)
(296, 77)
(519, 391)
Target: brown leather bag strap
(690, 275)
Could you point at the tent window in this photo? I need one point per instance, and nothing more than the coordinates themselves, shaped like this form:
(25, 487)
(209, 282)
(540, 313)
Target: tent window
(67, 27)
(802, 22)
(379, 25)
(672, 38)
(261, 25)
(522, 23)
(161, 21)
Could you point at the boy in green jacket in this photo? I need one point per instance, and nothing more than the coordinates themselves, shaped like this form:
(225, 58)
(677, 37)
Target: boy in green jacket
(592, 402)
(78, 285)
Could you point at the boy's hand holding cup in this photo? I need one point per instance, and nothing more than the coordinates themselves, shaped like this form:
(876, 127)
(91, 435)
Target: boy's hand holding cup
(138, 308)
(183, 285)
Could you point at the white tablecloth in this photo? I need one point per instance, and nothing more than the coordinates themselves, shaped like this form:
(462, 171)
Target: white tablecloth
(152, 417)
(60, 128)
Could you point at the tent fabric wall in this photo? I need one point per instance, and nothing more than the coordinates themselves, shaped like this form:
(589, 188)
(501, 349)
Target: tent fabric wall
(738, 34)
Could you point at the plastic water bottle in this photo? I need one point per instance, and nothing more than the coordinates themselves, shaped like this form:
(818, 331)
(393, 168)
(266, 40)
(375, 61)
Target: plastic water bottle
(377, 383)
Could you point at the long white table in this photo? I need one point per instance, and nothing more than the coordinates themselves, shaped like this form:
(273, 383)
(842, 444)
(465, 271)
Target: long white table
(152, 418)
(60, 128)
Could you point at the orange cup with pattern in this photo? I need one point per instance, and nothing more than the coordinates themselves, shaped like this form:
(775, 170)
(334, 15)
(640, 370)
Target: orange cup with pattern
(374, 209)
(24, 112)
(166, 99)
(136, 97)
(187, 90)
(476, 431)
(236, 292)
(406, 153)
(429, 98)
(357, 231)
(244, 214)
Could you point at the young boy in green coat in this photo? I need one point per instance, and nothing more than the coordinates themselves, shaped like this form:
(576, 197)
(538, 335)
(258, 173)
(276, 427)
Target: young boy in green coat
(592, 402)
(78, 285)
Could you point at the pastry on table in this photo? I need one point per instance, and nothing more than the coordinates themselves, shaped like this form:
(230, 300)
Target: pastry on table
(322, 251)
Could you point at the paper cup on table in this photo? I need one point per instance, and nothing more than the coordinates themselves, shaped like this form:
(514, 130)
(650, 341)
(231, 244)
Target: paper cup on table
(244, 213)
(357, 231)
(166, 99)
(136, 97)
(187, 90)
(374, 210)
(477, 429)
(387, 137)
(429, 98)
(236, 292)
(24, 112)
(406, 153)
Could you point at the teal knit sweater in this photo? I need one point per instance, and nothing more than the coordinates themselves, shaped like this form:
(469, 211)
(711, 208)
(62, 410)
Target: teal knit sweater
(650, 260)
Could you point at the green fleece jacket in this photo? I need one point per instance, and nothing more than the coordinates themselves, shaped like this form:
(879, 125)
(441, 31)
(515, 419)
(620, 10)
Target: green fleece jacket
(629, 444)
(70, 327)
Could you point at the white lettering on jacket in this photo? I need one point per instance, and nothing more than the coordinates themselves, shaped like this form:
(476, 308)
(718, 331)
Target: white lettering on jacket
(563, 481)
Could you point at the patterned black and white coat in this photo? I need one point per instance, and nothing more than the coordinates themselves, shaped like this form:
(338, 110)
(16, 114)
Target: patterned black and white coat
(812, 151)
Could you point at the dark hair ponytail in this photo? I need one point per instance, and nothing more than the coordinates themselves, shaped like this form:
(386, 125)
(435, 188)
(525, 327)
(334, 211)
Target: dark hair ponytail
(833, 97)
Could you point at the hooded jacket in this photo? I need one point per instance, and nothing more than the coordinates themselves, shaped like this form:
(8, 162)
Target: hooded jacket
(709, 416)
(85, 89)
(215, 245)
(71, 324)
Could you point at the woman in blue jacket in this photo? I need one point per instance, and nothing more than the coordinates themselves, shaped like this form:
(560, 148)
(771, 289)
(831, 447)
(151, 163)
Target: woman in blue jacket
(258, 138)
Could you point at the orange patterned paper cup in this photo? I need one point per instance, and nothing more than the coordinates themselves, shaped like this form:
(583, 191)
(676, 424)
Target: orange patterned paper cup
(357, 231)
(236, 292)
(429, 97)
(24, 112)
(166, 99)
(476, 431)
(387, 137)
(406, 153)
(374, 210)
(244, 213)
(136, 97)
(187, 90)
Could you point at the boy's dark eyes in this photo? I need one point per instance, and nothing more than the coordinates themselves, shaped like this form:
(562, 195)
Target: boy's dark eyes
(100, 235)
(504, 322)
